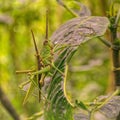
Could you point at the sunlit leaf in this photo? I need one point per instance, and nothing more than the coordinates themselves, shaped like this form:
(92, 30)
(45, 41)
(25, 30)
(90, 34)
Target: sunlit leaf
(78, 30)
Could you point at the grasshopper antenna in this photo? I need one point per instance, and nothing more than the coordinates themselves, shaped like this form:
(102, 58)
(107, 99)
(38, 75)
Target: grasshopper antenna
(46, 29)
(46, 36)
(36, 49)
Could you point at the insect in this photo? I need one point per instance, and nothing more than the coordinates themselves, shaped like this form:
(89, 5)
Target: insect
(45, 63)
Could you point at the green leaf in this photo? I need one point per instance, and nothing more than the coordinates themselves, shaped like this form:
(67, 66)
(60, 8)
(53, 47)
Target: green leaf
(58, 108)
(81, 105)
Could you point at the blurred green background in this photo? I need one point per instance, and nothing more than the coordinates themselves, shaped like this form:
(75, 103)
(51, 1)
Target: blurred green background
(89, 70)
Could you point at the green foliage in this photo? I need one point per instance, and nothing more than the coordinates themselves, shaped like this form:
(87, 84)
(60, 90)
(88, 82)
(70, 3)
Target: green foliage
(17, 52)
(58, 107)
(81, 105)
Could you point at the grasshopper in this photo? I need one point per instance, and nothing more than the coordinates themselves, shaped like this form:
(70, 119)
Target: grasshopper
(44, 64)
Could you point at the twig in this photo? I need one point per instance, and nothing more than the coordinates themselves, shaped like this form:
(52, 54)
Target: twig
(109, 44)
(109, 98)
(36, 115)
(67, 8)
(8, 106)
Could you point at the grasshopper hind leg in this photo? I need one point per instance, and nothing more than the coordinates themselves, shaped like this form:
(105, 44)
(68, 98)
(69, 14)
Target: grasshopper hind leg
(41, 84)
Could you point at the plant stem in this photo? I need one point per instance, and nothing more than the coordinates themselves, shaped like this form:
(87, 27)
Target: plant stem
(7, 105)
(108, 99)
(118, 117)
(67, 8)
(106, 42)
(115, 53)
